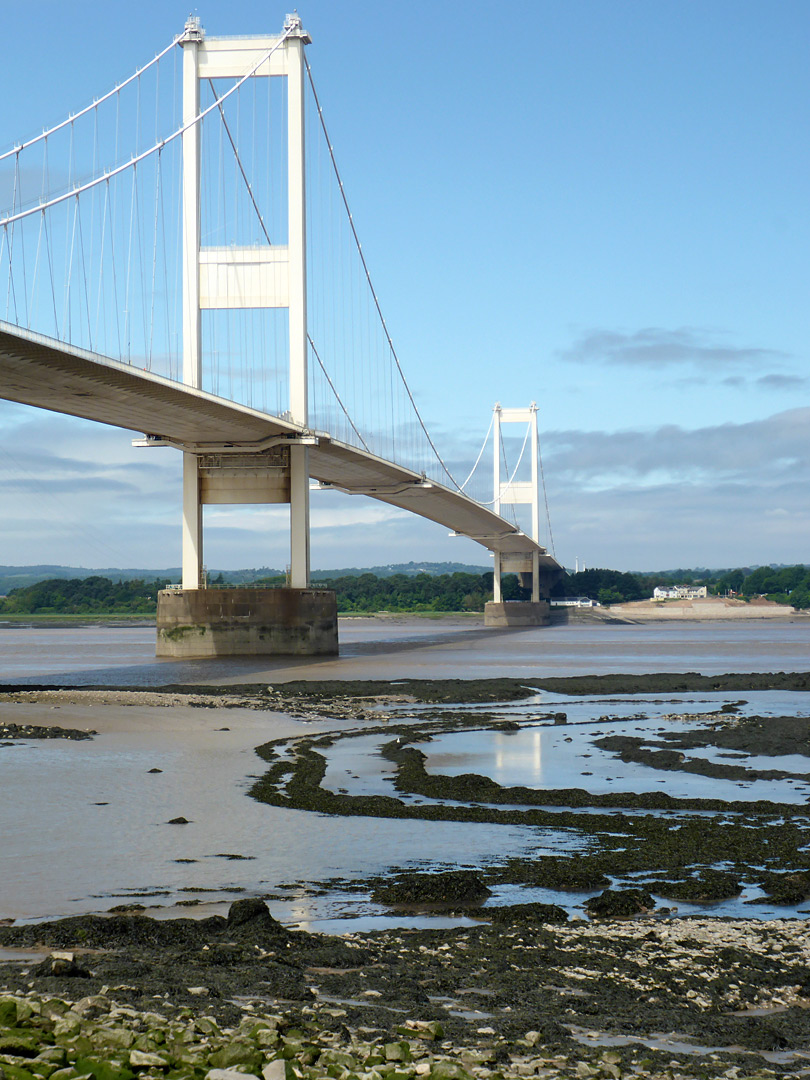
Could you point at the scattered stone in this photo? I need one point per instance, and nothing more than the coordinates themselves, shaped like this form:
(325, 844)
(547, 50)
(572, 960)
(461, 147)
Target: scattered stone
(141, 1059)
(233, 1074)
(62, 964)
(275, 1070)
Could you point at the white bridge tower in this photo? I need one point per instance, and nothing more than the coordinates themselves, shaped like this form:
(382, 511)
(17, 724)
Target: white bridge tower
(246, 277)
(518, 492)
(195, 620)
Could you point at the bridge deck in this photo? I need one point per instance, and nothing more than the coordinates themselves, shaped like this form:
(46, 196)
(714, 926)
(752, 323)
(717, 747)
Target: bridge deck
(46, 373)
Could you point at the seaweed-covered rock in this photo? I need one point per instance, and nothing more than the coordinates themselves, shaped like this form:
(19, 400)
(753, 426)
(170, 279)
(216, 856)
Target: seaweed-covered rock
(791, 888)
(620, 903)
(551, 872)
(528, 913)
(63, 965)
(708, 887)
(252, 912)
(446, 890)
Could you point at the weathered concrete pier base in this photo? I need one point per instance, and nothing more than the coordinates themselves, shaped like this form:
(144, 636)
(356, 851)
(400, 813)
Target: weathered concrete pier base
(517, 613)
(246, 622)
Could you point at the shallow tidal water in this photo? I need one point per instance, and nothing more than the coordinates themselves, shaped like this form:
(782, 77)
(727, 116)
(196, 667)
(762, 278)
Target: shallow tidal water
(85, 823)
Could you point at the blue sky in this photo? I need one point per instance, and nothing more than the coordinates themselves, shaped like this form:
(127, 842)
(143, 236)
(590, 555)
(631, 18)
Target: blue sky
(600, 206)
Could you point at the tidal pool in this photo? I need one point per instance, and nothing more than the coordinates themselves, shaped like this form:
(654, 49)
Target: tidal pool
(551, 755)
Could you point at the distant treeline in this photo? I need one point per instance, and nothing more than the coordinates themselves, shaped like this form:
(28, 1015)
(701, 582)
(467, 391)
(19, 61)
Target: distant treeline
(361, 593)
(366, 593)
(83, 596)
(18, 577)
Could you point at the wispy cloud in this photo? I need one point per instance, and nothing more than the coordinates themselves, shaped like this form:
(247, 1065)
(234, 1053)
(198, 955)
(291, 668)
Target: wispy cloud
(759, 452)
(657, 347)
(776, 381)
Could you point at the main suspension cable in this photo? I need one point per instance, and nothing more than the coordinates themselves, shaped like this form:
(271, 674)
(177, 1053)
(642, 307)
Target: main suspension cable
(369, 281)
(107, 176)
(93, 105)
(480, 453)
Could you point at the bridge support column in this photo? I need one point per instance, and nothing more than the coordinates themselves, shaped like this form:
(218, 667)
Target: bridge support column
(299, 517)
(192, 523)
(527, 565)
(192, 325)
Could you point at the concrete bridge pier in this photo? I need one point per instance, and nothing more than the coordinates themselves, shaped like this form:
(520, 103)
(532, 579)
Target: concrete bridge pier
(535, 570)
(246, 622)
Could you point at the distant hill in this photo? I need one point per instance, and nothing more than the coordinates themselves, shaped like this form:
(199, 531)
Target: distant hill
(20, 577)
(409, 569)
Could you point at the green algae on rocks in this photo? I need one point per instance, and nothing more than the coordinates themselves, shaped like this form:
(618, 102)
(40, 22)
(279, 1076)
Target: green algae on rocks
(526, 997)
(671, 847)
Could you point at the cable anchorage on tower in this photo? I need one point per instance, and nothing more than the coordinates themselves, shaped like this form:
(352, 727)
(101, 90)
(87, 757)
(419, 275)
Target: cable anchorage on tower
(193, 30)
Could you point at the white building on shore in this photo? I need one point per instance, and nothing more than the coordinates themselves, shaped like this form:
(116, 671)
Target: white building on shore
(679, 592)
(573, 601)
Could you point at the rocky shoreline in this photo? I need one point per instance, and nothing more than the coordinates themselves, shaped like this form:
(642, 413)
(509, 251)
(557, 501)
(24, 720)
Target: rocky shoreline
(514, 990)
(123, 996)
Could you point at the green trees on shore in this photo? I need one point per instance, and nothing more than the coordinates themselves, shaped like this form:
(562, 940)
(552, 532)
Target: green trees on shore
(366, 593)
(83, 596)
(422, 592)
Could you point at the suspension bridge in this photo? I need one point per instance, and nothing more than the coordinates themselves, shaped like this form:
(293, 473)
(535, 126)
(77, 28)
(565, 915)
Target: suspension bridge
(179, 259)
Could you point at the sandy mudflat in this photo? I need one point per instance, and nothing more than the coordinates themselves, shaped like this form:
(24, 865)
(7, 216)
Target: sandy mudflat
(709, 608)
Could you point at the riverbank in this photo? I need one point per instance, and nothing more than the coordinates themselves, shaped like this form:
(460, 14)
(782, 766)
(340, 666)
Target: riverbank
(693, 998)
(705, 609)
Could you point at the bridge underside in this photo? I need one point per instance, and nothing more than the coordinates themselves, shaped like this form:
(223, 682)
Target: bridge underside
(49, 374)
(226, 437)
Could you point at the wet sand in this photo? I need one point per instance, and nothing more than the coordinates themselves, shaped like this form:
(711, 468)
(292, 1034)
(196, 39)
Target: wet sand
(155, 808)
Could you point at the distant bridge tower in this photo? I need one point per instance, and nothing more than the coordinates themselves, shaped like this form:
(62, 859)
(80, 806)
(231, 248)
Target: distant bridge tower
(527, 566)
(195, 620)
